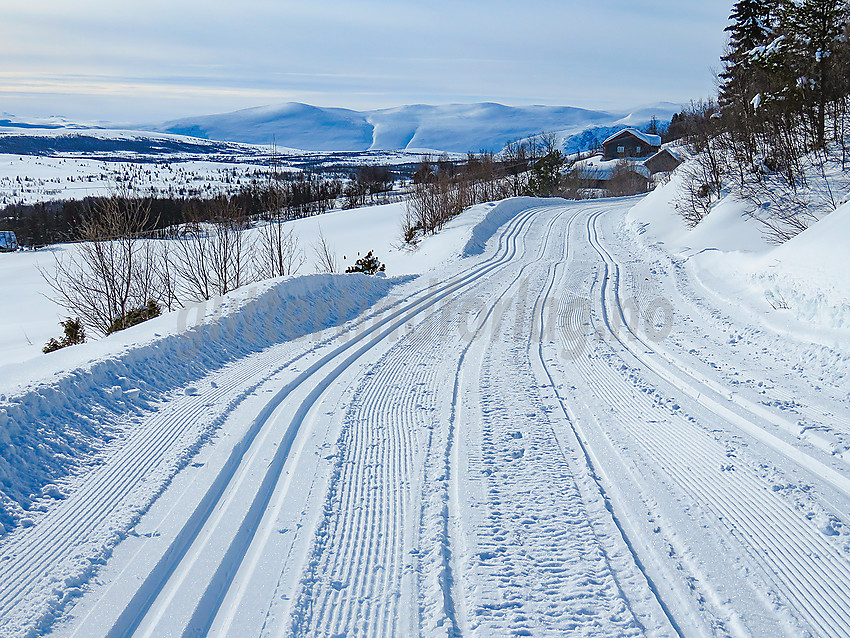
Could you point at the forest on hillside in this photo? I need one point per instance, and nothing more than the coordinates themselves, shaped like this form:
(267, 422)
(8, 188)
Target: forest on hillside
(777, 133)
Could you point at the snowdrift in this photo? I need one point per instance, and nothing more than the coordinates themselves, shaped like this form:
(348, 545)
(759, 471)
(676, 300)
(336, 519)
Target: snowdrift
(58, 411)
(805, 278)
(495, 217)
(809, 273)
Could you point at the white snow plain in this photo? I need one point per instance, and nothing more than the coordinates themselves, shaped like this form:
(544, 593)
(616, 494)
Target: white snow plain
(569, 423)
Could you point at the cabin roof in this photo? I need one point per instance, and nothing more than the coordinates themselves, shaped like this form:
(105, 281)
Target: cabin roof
(651, 140)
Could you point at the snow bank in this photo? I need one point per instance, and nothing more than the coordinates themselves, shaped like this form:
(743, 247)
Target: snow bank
(495, 216)
(56, 412)
(655, 218)
(809, 273)
(29, 317)
(728, 227)
(806, 277)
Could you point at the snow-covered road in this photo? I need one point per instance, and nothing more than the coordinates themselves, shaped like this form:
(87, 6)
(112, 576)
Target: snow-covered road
(563, 435)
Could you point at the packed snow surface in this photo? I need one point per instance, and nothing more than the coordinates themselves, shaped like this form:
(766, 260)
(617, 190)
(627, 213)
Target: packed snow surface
(552, 418)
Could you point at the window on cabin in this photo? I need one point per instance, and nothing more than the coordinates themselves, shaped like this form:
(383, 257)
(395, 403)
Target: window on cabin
(621, 149)
(637, 149)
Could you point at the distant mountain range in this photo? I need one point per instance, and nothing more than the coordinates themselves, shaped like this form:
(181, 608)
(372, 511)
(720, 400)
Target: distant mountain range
(454, 127)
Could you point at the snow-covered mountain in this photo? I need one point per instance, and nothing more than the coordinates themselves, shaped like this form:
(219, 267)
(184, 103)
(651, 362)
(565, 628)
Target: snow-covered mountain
(453, 127)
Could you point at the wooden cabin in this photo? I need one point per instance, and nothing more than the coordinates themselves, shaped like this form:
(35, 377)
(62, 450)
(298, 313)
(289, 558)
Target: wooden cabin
(630, 143)
(663, 161)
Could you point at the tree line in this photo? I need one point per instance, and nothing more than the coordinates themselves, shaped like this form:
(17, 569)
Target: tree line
(779, 124)
(442, 189)
(293, 196)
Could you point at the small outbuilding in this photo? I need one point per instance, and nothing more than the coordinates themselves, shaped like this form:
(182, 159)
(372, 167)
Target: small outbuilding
(663, 161)
(630, 143)
(8, 241)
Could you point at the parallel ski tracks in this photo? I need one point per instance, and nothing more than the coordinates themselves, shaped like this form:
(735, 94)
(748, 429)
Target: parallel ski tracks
(755, 399)
(358, 565)
(33, 559)
(337, 360)
(359, 575)
(792, 553)
(556, 560)
(741, 412)
(76, 518)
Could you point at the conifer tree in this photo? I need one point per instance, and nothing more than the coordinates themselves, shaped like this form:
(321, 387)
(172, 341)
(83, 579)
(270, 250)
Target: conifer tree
(815, 31)
(752, 25)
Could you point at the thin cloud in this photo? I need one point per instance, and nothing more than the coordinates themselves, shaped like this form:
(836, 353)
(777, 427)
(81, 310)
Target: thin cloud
(165, 59)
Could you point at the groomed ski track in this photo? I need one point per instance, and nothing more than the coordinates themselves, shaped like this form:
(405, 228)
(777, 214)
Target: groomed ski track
(520, 447)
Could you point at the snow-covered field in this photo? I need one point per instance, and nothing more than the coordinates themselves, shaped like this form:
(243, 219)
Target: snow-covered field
(30, 317)
(28, 179)
(571, 422)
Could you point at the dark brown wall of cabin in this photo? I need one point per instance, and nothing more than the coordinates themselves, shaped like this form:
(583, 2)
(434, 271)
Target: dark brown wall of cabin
(630, 145)
(662, 163)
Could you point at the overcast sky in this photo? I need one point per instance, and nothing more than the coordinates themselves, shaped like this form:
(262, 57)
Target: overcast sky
(158, 59)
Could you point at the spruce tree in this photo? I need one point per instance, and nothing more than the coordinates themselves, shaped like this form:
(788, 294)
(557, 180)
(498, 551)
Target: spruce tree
(815, 32)
(752, 25)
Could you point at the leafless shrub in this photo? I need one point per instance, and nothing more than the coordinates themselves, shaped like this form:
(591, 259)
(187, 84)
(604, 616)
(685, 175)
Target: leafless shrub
(443, 190)
(326, 260)
(700, 190)
(516, 158)
(278, 253)
(215, 260)
(166, 275)
(113, 269)
(777, 301)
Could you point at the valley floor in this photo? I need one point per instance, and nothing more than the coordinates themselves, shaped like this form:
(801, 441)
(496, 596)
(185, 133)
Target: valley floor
(564, 435)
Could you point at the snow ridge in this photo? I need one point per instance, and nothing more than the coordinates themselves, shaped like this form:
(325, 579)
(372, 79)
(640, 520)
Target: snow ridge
(78, 413)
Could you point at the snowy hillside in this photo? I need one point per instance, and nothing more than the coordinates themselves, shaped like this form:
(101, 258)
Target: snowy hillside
(800, 286)
(454, 127)
(30, 317)
(23, 136)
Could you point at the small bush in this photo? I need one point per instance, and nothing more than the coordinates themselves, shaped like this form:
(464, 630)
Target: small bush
(75, 334)
(136, 316)
(368, 265)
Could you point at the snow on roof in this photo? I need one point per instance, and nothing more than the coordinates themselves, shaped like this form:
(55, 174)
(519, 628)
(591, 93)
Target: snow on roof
(597, 168)
(672, 154)
(652, 140)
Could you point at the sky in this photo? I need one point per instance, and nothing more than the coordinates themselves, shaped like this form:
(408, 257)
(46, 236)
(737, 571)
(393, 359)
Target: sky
(123, 61)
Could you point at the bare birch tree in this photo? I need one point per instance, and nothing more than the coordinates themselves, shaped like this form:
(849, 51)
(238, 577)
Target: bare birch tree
(112, 270)
(326, 260)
